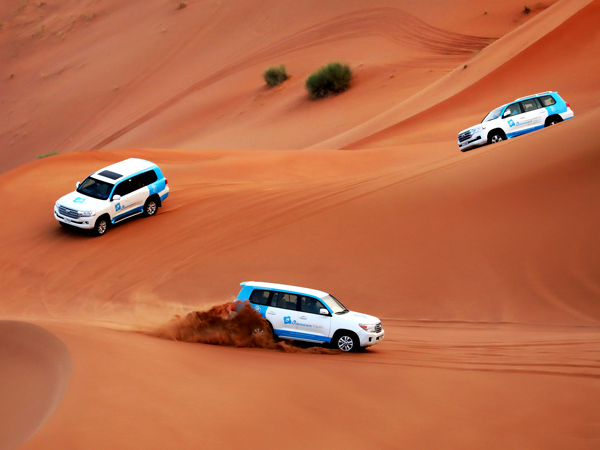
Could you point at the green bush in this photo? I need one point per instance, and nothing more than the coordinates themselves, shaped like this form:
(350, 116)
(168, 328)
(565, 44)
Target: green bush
(275, 75)
(45, 155)
(330, 79)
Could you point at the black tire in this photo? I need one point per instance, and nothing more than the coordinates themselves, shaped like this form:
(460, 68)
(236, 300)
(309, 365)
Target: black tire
(150, 207)
(101, 226)
(64, 225)
(495, 137)
(346, 341)
(552, 120)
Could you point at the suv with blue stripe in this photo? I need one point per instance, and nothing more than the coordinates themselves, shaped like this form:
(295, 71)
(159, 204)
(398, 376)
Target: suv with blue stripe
(524, 115)
(113, 194)
(309, 315)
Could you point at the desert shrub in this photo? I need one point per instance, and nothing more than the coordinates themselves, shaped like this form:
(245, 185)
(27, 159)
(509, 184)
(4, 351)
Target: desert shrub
(275, 75)
(526, 10)
(181, 5)
(330, 79)
(45, 155)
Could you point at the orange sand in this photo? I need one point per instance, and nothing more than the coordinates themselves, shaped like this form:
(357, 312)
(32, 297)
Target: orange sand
(483, 266)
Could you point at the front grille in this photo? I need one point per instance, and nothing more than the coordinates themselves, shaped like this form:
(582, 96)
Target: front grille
(71, 213)
(378, 328)
(464, 136)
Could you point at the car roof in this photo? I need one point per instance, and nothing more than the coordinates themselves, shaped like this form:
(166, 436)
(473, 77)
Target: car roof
(115, 172)
(285, 287)
(534, 95)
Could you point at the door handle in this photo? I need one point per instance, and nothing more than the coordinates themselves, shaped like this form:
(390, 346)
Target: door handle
(272, 312)
(303, 317)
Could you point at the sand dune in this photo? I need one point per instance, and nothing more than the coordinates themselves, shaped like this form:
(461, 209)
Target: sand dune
(482, 265)
(36, 367)
(190, 78)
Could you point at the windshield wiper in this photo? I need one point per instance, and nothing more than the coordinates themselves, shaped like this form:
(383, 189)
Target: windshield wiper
(343, 312)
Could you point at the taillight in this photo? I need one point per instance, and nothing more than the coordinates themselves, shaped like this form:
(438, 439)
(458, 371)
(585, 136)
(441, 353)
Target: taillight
(568, 106)
(166, 181)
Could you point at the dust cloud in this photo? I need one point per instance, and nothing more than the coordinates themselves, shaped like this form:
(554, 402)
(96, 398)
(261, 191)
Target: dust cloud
(232, 324)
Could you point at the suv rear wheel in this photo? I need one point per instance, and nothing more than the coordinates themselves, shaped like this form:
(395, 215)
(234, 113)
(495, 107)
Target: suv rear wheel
(150, 207)
(553, 120)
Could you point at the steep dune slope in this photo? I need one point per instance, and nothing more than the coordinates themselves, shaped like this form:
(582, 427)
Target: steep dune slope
(36, 367)
(463, 77)
(563, 61)
(80, 76)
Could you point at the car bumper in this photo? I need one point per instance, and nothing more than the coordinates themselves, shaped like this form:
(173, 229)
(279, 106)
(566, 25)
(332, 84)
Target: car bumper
(368, 339)
(87, 223)
(567, 115)
(472, 142)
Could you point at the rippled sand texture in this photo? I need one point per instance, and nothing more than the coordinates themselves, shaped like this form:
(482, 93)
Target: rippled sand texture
(483, 266)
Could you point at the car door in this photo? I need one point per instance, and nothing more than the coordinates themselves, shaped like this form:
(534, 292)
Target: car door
(510, 117)
(533, 116)
(283, 314)
(311, 323)
(133, 194)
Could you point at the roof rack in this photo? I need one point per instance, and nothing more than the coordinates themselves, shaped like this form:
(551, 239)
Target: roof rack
(533, 95)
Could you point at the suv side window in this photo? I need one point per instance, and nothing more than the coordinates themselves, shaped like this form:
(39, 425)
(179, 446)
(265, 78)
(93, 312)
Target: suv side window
(122, 188)
(260, 297)
(285, 301)
(547, 100)
(136, 182)
(126, 187)
(148, 177)
(530, 105)
(513, 110)
(310, 305)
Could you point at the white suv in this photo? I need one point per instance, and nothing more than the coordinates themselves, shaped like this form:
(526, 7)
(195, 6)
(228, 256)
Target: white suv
(110, 195)
(309, 315)
(524, 115)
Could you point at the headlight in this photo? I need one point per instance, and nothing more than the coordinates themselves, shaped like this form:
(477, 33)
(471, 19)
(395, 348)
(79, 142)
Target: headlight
(86, 213)
(369, 328)
(56, 204)
(477, 129)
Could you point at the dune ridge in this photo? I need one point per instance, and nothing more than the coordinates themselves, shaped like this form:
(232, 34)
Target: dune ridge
(36, 368)
(482, 64)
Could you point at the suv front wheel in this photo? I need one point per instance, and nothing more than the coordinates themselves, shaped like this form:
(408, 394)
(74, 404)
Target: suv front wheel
(346, 341)
(495, 138)
(101, 226)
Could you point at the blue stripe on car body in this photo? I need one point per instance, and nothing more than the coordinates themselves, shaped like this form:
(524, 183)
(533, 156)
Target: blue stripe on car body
(128, 213)
(298, 335)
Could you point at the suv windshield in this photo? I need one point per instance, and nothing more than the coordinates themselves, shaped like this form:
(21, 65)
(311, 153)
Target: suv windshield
(493, 115)
(95, 188)
(334, 304)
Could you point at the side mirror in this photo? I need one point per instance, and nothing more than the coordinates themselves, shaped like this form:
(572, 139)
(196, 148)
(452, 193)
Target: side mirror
(77, 184)
(506, 114)
(116, 197)
(323, 312)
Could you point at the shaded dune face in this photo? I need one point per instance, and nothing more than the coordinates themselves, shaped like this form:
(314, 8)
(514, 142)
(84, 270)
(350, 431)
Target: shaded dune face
(181, 78)
(35, 368)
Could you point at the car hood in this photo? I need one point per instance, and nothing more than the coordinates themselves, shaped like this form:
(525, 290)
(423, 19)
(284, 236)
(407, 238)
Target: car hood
(81, 202)
(356, 317)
